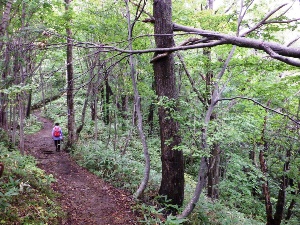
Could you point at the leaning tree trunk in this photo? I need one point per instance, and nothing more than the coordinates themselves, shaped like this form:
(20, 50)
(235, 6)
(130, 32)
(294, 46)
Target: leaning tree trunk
(70, 86)
(172, 183)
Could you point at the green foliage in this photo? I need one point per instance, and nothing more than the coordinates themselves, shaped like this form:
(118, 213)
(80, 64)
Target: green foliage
(154, 215)
(32, 125)
(25, 192)
(237, 127)
(241, 184)
(121, 170)
(209, 212)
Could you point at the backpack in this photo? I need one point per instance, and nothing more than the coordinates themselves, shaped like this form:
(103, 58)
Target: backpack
(56, 132)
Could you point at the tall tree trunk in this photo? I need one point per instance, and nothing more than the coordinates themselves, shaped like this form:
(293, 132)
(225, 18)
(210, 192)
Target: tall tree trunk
(213, 178)
(70, 86)
(3, 97)
(281, 199)
(214, 161)
(150, 119)
(82, 121)
(204, 166)
(6, 55)
(42, 87)
(28, 109)
(93, 106)
(264, 170)
(172, 183)
(265, 189)
(4, 21)
(14, 122)
(137, 106)
(21, 122)
(108, 93)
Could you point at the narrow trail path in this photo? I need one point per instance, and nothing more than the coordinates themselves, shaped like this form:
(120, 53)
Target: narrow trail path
(86, 199)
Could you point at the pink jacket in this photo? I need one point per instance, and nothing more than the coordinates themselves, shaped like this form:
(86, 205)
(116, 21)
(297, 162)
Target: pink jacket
(61, 133)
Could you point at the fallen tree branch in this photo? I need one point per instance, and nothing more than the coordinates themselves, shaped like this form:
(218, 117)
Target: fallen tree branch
(40, 104)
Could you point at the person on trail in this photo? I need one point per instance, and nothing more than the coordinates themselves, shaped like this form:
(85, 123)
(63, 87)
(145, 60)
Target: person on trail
(57, 136)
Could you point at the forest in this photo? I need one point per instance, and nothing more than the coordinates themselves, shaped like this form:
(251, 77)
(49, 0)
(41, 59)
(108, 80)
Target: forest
(191, 106)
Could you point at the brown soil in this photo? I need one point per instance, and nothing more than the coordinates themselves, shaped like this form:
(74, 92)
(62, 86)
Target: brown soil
(84, 197)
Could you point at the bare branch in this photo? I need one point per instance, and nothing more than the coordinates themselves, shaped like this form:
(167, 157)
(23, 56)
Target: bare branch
(190, 41)
(192, 82)
(263, 20)
(287, 9)
(263, 106)
(151, 18)
(242, 15)
(283, 21)
(159, 56)
(227, 10)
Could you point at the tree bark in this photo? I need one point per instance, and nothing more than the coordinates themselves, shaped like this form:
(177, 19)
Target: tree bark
(3, 97)
(70, 85)
(214, 160)
(3, 27)
(5, 19)
(108, 93)
(172, 183)
(264, 170)
(281, 199)
(28, 109)
(213, 178)
(150, 119)
(205, 166)
(21, 123)
(137, 106)
(82, 121)
(265, 189)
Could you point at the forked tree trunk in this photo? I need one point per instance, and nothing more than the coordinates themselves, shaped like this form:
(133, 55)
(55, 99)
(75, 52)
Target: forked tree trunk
(172, 183)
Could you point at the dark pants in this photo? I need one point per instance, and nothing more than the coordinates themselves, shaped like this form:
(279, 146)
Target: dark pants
(57, 145)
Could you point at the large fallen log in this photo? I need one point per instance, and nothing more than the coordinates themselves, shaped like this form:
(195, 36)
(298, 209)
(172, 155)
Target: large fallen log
(41, 103)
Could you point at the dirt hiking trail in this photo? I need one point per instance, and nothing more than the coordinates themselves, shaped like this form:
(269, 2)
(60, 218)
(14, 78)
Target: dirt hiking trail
(86, 199)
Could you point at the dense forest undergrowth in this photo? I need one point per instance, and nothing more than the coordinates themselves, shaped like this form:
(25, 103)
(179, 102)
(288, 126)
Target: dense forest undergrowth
(48, 187)
(190, 108)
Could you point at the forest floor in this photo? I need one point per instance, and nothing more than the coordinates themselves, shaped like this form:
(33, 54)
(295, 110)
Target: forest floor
(84, 197)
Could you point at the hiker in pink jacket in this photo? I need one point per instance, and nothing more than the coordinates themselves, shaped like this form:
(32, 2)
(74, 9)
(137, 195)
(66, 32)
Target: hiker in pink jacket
(57, 136)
